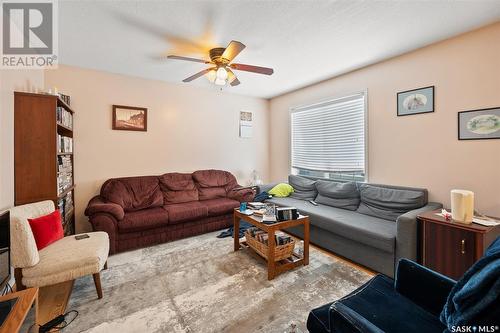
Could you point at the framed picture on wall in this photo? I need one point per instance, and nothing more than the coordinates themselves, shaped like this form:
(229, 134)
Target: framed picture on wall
(479, 124)
(246, 125)
(415, 101)
(130, 118)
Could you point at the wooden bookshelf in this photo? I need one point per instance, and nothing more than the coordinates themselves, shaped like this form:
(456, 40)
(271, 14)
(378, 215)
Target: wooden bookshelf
(37, 154)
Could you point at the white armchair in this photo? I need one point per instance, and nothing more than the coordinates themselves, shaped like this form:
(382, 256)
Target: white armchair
(63, 260)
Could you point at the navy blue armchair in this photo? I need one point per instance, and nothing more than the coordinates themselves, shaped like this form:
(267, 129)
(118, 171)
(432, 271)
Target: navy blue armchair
(410, 303)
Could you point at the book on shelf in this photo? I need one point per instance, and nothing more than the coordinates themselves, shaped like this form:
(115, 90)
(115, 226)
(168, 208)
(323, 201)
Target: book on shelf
(64, 181)
(65, 173)
(259, 212)
(66, 99)
(263, 237)
(64, 117)
(256, 205)
(65, 205)
(64, 144)
(64, 164)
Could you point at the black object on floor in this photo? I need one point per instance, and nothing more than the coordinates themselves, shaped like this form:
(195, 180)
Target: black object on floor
(229, 232)
(59, 322)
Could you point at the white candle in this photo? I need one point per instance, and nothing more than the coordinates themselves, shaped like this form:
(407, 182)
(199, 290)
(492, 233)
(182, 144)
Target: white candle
(462, 206)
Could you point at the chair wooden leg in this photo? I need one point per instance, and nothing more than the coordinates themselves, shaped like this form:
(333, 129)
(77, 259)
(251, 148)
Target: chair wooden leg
(97, 281)
(18, 276)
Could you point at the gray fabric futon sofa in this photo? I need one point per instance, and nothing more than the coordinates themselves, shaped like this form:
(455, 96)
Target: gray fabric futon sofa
(371, 224)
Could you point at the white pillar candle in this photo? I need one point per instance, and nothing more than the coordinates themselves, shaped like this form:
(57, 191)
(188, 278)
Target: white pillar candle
(462, 205)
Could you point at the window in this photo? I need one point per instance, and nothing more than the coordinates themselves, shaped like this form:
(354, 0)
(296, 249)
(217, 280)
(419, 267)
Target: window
(328, 139)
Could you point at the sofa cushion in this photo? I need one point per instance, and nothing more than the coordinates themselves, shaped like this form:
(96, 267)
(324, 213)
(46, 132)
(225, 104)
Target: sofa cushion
(213, 184)
(398, 313)
(303, 188)
(178, 213)
(175, 181)
(207, 193)
(335, 194)
(220, 206)
(143, 219)
(133, 193)
(368, 230)
(81, 257)
(389, 203)
(215, 178)
(178, 188)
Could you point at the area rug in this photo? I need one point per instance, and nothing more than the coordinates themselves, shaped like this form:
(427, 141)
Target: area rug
(199, 284)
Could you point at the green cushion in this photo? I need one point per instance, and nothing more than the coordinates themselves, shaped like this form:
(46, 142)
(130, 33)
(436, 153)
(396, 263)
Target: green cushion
(281, 190)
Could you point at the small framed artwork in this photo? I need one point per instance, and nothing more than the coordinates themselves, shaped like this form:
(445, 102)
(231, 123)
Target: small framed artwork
(415, 101)
(246, 125)
(479, 124)
(130, 118)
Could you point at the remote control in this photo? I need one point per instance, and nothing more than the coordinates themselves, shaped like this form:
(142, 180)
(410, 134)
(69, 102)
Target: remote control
(81, 236)
(313, 202)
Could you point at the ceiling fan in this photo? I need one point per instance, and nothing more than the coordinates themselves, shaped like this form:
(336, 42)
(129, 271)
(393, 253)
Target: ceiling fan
(221, 71)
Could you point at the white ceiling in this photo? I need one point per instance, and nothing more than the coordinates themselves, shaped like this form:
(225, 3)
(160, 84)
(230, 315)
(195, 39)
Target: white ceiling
(304, 41)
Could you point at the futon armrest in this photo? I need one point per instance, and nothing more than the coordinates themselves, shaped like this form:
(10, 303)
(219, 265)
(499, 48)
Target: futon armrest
(344, 319)
(98, 205)
(265, 187)
(406, 232)
(242, 194)
(422, 286)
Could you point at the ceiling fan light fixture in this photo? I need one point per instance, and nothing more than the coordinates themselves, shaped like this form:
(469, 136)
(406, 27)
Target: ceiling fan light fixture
(212, 75)
(222, 61)
(220, 82)
(222, 73)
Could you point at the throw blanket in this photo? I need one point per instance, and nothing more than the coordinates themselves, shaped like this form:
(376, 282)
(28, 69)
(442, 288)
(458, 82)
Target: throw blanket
(474, 299)
(244, 225)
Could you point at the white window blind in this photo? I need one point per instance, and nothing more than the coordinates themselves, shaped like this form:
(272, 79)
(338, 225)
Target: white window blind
(328, 138)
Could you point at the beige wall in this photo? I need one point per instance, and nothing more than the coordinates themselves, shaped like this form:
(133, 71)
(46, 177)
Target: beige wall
(188, 129)
(10, 81)
(420, 150)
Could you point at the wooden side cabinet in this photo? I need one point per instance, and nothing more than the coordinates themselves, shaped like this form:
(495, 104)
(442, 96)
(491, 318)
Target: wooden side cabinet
(449, 247)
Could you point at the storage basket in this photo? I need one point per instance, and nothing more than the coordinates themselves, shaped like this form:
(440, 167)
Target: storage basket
(281, 252)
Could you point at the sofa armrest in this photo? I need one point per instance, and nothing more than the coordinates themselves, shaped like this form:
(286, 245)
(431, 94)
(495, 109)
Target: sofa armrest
(344, 319)
(265, 187)
(98, 205)
(424, 287)
(406, 232)
(242, 194)
(107, 223)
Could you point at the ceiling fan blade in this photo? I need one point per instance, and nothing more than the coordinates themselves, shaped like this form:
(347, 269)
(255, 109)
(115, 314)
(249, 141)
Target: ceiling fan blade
(253, 69)
(231, 78)
(197, 75)
(188, 59)
(232, 50)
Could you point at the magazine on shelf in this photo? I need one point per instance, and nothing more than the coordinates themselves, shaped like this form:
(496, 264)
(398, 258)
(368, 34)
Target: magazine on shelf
(256, 205)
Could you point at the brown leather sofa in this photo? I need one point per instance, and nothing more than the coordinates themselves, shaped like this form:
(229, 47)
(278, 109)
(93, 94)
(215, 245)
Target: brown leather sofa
(141, 211)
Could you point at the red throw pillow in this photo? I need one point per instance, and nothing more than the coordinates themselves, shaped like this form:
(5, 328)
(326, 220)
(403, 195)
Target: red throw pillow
(47, 229)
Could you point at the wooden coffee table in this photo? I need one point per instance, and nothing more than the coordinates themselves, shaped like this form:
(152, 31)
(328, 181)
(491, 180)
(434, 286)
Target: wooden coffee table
(274, 268)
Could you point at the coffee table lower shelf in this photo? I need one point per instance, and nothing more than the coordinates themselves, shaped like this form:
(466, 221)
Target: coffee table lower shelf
(281, 266)
(274, 268)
